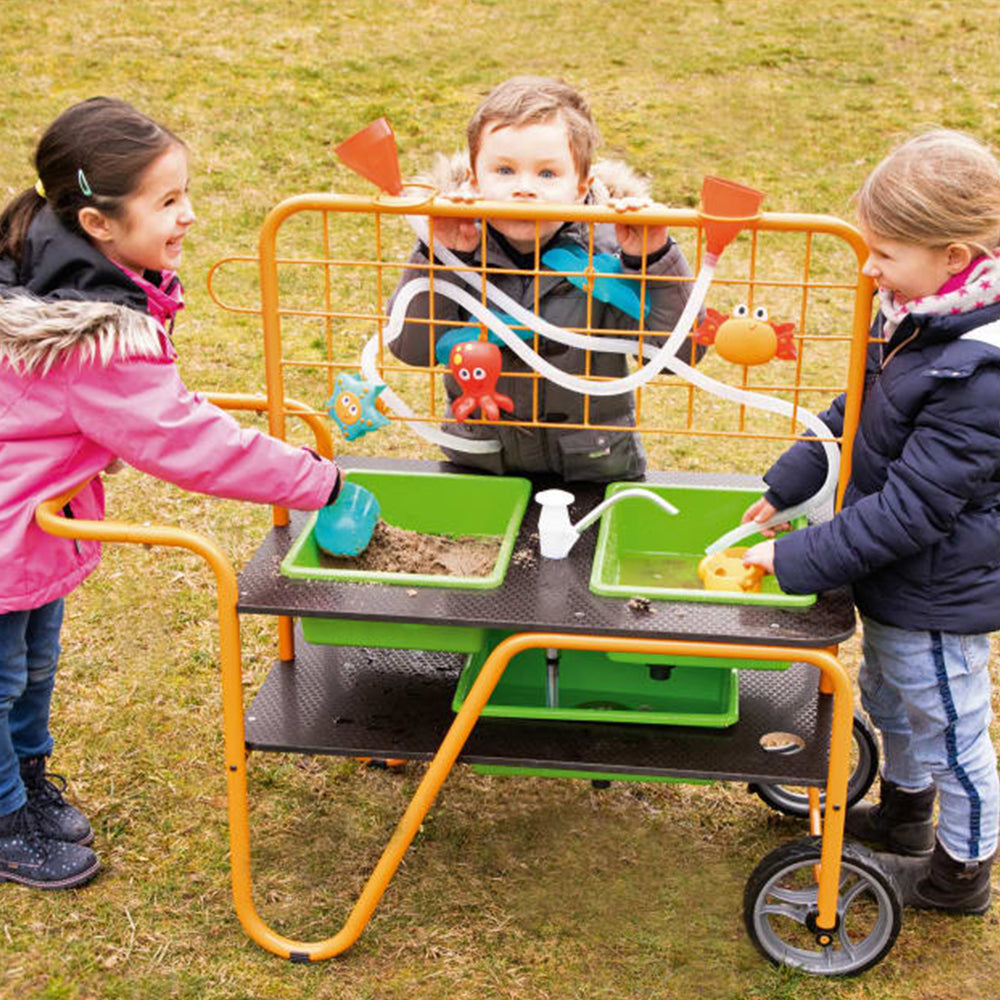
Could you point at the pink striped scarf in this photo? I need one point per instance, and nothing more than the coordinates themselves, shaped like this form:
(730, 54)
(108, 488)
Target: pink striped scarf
(975, 287)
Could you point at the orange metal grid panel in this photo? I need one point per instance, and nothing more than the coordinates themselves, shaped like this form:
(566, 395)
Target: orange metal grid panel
(359, 246)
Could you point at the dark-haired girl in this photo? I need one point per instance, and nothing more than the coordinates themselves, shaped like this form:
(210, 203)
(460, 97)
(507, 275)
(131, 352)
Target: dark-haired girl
(88, 296)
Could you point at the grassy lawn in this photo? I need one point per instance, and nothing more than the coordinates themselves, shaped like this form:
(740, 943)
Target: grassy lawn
(517, 888)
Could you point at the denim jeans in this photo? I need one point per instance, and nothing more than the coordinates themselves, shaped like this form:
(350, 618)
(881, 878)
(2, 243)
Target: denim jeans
(29, 653)
(929, 695)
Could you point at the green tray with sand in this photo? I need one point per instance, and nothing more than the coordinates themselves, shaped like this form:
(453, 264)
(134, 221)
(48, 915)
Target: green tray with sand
(436, 530)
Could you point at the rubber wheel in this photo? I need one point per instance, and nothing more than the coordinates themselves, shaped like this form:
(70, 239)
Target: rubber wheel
(779, 909)
(793, 800)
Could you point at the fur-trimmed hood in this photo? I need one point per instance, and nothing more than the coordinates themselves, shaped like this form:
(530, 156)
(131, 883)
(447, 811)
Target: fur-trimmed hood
(35, 334)
(611, 179)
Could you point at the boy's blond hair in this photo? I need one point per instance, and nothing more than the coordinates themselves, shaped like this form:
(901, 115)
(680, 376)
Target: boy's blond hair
(526, 100)
(937, 188)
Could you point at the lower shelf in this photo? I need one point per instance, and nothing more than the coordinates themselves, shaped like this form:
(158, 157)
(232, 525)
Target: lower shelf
(353, 701)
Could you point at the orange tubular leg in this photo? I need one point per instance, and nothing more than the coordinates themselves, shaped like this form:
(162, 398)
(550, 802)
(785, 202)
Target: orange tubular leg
(462, 726)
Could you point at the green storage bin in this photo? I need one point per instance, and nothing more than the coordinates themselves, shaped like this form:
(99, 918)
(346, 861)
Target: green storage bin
(594, 688)
(392, 635)
(643, 552)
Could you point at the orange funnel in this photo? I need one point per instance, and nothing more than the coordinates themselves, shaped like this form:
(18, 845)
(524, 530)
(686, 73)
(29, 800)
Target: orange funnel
(727, 207)
(372, 153)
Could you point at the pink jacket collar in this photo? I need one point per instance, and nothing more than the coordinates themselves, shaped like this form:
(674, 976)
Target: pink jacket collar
(163, 301)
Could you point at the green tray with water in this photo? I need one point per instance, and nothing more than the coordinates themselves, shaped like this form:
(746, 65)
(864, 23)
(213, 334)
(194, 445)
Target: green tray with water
(643, 552)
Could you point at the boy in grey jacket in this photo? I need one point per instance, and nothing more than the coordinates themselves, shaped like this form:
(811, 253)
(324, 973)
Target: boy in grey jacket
(532, 140)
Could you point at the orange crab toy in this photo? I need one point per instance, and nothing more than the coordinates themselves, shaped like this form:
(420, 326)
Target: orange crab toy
(476, 367)
(746, 338)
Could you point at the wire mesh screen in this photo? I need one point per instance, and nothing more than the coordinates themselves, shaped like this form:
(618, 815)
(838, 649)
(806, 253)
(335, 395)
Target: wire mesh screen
(331, 269)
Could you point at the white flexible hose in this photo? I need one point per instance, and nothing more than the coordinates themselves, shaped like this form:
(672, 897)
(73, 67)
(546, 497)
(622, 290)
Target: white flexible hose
(585, 387)
(659, 358)
(588, 519)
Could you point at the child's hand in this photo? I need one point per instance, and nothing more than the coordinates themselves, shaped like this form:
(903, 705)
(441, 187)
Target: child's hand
(630, 238)
(457, 234)
(762, 554)
(760, 512)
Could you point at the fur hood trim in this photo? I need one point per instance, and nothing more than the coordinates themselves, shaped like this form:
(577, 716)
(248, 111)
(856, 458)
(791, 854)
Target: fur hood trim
(35, 334)
(610, 179)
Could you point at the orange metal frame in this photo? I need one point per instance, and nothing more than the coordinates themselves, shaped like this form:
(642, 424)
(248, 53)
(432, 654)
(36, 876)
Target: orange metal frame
(833, 679)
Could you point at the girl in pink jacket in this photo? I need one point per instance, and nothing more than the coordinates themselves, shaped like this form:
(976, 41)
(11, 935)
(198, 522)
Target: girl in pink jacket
(88, 295)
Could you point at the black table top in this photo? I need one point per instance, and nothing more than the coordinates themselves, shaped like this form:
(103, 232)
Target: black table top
(539, 595)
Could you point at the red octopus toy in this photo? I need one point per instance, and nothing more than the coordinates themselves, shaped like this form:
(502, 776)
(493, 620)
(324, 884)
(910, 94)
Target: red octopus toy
(476, 367)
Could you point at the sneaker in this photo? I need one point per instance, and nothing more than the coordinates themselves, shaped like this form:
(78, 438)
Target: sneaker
(59, 819)
(28, 856)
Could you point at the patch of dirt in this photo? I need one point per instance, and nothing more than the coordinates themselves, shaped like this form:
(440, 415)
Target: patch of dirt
(396, 550)
(523, 557)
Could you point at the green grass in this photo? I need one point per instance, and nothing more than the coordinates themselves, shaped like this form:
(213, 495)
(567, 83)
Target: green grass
(515, 887)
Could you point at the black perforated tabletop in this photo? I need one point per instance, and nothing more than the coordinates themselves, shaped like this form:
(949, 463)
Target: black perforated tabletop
(539, 594)
(357, 701)
(386, 703)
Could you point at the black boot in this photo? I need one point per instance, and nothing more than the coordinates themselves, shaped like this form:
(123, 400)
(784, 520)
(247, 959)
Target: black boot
(59, 819)
(28, 856)
(902, 821)
(940, 882)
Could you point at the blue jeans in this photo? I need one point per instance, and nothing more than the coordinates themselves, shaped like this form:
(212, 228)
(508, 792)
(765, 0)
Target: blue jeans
(929, 695)
(29, 652)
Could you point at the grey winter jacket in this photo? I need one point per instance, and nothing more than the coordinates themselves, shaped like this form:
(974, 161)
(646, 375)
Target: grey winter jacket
(581, 454)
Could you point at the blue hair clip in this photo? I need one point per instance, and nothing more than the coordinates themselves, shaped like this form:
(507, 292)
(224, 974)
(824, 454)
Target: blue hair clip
(81, 179)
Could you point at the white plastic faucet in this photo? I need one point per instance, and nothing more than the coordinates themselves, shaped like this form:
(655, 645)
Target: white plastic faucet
(557, 536)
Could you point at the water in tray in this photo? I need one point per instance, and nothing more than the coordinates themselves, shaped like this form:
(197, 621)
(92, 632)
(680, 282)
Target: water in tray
(659, 569)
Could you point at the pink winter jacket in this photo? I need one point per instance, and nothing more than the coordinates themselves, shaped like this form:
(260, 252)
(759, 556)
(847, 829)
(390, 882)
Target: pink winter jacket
(83, 382)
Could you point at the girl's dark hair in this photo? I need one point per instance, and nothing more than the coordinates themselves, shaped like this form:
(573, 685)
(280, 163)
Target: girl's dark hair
(94, 153)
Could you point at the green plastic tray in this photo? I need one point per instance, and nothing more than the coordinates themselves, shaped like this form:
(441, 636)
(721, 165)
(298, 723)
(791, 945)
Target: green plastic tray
(713, 662)
(643, 552)
(431, 503)
(392, 635)
(434, 503)
(594, 688)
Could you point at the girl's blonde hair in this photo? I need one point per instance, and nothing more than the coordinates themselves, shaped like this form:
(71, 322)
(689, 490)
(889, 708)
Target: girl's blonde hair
(937, 188)
(526, 100)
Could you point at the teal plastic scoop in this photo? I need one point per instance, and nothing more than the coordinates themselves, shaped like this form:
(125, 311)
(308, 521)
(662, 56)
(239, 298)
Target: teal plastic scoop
(345, 527)
(607, 286)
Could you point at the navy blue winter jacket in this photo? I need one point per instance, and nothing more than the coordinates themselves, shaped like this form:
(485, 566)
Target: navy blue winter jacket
(919, 533)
